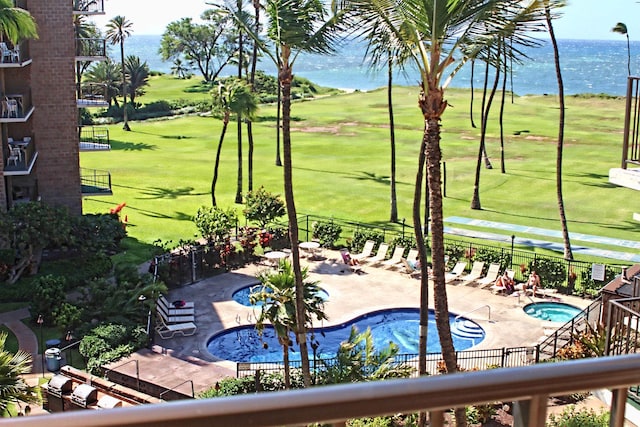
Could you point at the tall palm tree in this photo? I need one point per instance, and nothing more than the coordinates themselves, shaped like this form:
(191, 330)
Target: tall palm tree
(568, 254)
(278, 296)
(15, 23)
(293, 26)
(118, 29)
(138, 73)
(109, 74)
(13, 387)
(431, 31)
(621, 28)
(180, 68)
(236, 97)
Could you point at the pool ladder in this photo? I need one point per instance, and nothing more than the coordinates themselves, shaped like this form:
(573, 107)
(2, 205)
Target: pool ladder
(475, 309)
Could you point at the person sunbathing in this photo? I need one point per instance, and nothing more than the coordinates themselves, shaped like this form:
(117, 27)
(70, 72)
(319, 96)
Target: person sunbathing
(506, 282)
(533, 282)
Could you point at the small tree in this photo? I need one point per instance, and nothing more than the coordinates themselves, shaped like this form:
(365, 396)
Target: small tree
(263, 207)
(214, 223)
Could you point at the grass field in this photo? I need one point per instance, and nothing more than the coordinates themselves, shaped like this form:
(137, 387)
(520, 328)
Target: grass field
(163, 168)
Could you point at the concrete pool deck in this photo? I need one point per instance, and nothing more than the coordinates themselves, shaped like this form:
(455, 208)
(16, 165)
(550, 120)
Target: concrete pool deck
(178, 360)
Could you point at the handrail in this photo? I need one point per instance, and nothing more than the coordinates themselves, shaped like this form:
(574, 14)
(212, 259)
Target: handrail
(526, 385)
(471, 311)
(193, 393)
(125, 363)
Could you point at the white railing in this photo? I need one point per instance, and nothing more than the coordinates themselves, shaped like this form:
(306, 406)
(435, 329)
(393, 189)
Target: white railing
(530, 386)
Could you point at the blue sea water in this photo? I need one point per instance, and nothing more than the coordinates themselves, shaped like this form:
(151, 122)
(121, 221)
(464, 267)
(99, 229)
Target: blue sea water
(588, 66)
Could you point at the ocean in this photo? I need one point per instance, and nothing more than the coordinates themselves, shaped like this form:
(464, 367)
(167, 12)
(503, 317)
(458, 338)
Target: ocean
(588, 66)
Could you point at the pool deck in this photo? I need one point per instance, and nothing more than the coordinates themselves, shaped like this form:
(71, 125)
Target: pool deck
(183, 359)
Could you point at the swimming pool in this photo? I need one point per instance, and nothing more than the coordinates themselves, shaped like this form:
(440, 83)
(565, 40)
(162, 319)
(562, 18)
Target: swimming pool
(400, 325)
(241, 296)
(552, 311)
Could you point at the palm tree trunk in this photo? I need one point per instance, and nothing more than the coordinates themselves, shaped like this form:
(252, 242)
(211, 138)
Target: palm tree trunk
(239, 180)
(287, 368)
(252, 79)
(225, 122)
(393, 215)
(563, 218)
(125, 116)
(278, 126)
(502, 102)
(285, 77)
(473, 67)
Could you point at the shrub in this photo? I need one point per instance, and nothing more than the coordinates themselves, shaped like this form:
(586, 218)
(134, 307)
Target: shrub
(327, 233)
(98, 233)
(67, 316)
(263, 207)
(493, 256)
(214, 223)
(455, 252)
(572, 417)
(588, 286)
(552, 273)
(361, 236)
(48, 295)
(91, 346)
(407, 242)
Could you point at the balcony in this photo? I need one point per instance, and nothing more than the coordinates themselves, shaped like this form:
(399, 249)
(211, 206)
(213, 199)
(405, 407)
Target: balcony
(528, 387)
(21, 157)
(95, 182)
(16, 108)
(92, 95)
(94, 138)
(91, 49)
(88, 7)
(15, 56)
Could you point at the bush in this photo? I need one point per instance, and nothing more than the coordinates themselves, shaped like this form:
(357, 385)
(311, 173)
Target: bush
(327, 233)
(588, 286)
(263, 207)
(493, 256)
(571, 417)
(48, 295)
(552, 273)
(95, 233)
(361, 236)
(406, 242)
(215, 223)
(247, 384)
(455, 252)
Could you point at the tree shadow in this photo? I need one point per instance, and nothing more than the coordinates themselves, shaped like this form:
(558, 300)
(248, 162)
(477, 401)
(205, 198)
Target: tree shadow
(170, 193)
(131, 146)
(373, 177)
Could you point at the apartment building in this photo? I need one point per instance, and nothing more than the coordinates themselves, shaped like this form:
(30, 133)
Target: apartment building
(41, 100)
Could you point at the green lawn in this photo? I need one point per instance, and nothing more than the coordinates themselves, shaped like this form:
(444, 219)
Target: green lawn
(163, 168)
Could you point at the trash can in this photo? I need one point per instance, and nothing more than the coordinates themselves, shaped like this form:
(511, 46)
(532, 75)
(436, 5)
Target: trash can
(53, 343)
(52, 358)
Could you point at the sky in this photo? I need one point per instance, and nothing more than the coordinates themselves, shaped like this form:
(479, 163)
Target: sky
(582, 19)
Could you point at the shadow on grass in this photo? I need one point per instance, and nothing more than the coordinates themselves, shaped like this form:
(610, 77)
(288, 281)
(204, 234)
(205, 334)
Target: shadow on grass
(179, 215)
(170, 193)
(630, 226)
(162, 135)
(130, 146)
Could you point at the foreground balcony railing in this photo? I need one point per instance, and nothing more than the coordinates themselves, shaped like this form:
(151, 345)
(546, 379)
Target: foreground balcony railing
(88, 7)
(94, 138)
(529, 386)
(92, 95)
(95, 182)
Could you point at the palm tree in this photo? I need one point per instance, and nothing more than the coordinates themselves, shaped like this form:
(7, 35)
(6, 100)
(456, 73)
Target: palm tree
(621, 28)
(568, 254)
(109, 74)
(180, 69)
(118, 29)
(13, 387)
(278, 295)
(294, 26)
(138, 76)
(252, 79)
(15, 23)
(431, 32)
(235, 97)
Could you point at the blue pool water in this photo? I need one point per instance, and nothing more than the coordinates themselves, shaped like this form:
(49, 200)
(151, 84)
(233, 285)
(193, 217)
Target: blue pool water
(242, 344)
(552, 311)
(241, 296)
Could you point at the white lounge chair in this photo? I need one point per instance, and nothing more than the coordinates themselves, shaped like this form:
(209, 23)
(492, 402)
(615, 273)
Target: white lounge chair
(169, 330)
(380, 256)
(166, 318)
(490, 278)
(474, 274)
(408, 269)
(366, 251)
(395, 259)
(356, 268)
(456, 272)
(173, 310)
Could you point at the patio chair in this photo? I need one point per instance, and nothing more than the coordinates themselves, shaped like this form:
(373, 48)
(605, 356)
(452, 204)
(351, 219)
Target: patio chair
(456, 272)
(6, 52)
(396, 258)
(172, 310)
(366, 251)
(15, 156)
(380, 256)
(187, 304)
(408, 269)
(490, 278)
(346, 258)
(169, 330)
(474, 274)
(167, 319)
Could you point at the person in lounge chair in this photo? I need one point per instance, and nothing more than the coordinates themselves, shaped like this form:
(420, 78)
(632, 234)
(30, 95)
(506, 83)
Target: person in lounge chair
(506, 282)
(533, 282)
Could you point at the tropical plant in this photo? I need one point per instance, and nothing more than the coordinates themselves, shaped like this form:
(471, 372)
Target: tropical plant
(109, 74)
(234, 97)
(293, 26)
(358, 360)
(13, 367)
(573, 417)
(621, 28)
(263, 207)
(16, 24)
(430, 33)
(118, 30)
(327, 232)
(138, 73)
(180, 69)
(278, 295)
(83, 29)
(215, 223)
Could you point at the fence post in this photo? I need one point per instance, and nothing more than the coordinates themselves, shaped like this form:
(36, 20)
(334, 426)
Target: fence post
(307, 234)
(193, 265)
(504, 354)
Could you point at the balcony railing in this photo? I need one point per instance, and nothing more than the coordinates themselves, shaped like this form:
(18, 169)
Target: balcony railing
(23, 159)
(92, 95)
(529, 386)
(15, 107)
(94, 138)
(95, 182)
(91, 49)
(88, 7)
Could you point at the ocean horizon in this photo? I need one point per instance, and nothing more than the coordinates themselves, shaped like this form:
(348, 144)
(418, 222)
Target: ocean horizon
(588, 67)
